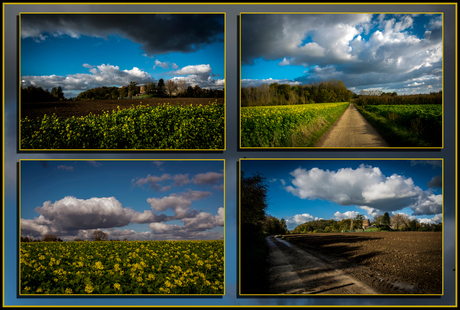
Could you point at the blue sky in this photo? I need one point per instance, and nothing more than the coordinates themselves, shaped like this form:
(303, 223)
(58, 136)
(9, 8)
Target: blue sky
(386, 52)
(83, 51)
(137, 200)
(306, 190)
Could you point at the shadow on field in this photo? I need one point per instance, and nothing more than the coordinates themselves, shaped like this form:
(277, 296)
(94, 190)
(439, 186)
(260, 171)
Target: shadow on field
(335, 246)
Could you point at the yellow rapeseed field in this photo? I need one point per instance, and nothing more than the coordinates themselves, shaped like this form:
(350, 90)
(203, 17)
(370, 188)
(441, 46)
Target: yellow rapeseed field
(122, 267)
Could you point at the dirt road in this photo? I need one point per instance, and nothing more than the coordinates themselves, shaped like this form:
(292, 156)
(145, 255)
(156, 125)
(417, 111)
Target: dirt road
(295, 271)
(352, 130)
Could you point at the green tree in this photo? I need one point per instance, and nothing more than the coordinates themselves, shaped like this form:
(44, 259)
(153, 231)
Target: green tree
(123, 91)
(386, 221)
(151, 88)
(358, 221)
(161, 88)
(378, 220)
(253, 201)
(57, 93)
(413, 225)
(197, 90)
(133, 88)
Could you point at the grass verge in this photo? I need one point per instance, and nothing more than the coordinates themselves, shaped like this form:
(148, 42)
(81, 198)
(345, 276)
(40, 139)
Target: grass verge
(397, 135)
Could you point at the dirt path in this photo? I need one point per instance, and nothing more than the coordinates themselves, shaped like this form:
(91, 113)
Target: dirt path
(352, 130)
(295, 271)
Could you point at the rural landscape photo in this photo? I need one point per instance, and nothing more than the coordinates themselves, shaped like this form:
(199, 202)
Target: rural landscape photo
(122, 81)
(121, 227)
(341, 80)
(341, 227)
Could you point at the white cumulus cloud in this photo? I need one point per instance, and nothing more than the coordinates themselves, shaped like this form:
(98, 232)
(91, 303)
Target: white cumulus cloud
(364, 186)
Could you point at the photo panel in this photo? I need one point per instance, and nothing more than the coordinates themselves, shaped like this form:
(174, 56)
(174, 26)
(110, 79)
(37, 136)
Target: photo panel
(341, 227)
(341, 80)
(121, 227)
(122, 81)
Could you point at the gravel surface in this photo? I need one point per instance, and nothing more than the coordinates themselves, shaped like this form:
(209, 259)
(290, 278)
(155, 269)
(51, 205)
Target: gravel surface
(352, 130)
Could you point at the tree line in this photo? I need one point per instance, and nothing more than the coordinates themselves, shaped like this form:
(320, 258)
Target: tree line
(97, 235)
(382, 98)
(161, 89)
(396, 222)
(285, 94)
(34, 94)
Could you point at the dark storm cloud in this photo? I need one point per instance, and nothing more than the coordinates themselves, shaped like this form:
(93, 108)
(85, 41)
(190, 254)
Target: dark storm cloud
(362, 50)
(436, 182)
(275, 36)
(157, 33)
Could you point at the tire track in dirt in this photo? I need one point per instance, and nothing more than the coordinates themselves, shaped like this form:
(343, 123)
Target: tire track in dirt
(295, 271)
(352, 130)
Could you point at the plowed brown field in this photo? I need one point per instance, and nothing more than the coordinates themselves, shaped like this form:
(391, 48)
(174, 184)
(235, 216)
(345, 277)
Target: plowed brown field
(390, 262)
(68, 109)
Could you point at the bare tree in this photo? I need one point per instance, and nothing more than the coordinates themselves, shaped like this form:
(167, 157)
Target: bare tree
(98, 235)
(171, 87)
(181, 86)
(49, 237)
(400, 220)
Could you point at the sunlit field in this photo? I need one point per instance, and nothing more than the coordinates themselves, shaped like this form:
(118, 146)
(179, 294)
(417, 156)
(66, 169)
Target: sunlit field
(122, 267)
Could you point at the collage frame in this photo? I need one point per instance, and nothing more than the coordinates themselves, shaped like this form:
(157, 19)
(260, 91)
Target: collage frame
(232, 155)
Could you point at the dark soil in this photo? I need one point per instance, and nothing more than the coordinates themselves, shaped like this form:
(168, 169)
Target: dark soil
(390, 262)
(66, 109)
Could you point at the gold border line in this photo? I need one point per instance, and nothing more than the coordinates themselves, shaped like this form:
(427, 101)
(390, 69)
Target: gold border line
(3, 155)
(456, 155)
(229, 3)
(342, 295)
(231, 306)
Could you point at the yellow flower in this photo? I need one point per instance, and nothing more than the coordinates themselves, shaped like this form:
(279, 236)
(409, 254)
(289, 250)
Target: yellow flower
(117, 286)
(89, 289)
(68, 291)
(99, 266)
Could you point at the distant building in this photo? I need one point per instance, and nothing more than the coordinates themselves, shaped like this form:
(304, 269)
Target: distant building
(366, 224)
(143, 90)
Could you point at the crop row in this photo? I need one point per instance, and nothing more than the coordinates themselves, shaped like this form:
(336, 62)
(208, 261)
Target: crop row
(411, 125)
(280, 125)
(130, 267)
(140, 127)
